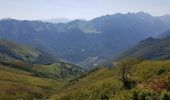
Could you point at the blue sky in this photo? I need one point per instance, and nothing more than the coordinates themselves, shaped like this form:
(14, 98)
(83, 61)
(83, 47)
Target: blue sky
(72, 9)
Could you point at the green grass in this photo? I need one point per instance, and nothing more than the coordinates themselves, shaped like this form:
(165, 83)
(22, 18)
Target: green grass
(103, 82)
(25, 81)
(153, 49)
(20, 50)
(20, 80)
(17, 84)
(60, 70)
(10, 50)
(53, 68)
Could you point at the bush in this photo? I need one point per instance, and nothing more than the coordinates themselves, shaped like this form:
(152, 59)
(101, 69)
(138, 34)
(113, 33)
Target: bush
(124, 72)
(165, 95)
(161, 71)
(145, 95)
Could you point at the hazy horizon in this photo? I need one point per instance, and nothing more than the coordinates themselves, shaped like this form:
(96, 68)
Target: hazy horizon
(74, 9)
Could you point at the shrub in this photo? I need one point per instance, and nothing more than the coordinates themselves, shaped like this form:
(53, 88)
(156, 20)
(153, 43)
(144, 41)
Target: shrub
(161, 70)
(165, 95)
(144, 95)
(104, 97)
(125, 74)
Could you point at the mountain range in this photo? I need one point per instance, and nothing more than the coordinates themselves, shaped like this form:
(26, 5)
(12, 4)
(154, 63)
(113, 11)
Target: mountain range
(87, 43)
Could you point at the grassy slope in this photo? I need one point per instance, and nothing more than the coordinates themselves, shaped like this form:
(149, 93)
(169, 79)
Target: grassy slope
(155, 49)
(64, 71)
(104, 81)
(60, 70)
(20, 80)
(22, 75)
(9, 50)
(17, 84)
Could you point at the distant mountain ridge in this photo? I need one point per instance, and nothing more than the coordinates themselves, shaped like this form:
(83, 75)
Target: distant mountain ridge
(61, 20)
(87, 43)
(57, 20)
(165, 34)
(165, 18)
(151, 48)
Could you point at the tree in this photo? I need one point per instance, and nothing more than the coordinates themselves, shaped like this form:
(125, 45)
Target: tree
(124, 72)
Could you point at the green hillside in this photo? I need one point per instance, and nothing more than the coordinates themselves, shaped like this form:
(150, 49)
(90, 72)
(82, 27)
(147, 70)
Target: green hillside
(21, 85)
(60, 70)
(147, 80)
(30, 74)
(151, 48)
(24, 81)
(10, 50)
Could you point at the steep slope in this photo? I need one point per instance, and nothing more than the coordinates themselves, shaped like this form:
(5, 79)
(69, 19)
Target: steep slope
(151, 48)
(10, 50)
(150, 78)
(85, 42)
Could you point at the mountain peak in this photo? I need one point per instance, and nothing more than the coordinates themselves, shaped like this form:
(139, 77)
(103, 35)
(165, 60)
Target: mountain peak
(8, 18)
(141, 12)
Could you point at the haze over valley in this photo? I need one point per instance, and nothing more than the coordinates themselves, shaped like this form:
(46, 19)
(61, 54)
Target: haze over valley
(87, 43)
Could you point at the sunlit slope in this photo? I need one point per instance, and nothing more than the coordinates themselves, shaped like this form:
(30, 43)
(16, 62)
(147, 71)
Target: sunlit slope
(151, 48)
(60, 70)
(105, 83)
(27, 73)
(21, 85)
(10, 50)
